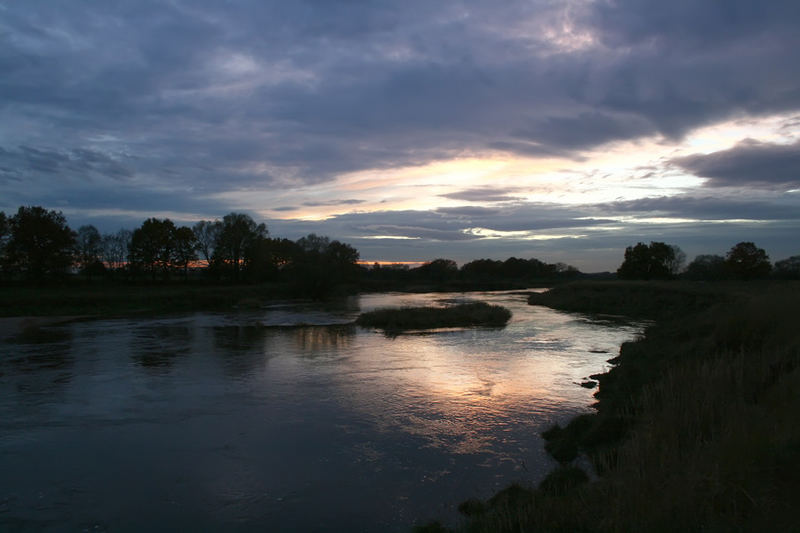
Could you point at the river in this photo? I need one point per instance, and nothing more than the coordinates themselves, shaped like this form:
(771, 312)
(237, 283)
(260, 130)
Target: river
(284, 418)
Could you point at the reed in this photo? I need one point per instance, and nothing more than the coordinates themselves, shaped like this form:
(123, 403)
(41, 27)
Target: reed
(695, 430)
(417, 318)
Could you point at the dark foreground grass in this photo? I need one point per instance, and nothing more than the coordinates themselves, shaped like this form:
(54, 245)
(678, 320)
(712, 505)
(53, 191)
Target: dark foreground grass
(107, 299)
(696, 427)
(412, 318)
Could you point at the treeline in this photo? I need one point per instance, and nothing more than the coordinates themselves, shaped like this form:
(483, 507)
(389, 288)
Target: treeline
(489, 273)
(36, 244)
(744, 261)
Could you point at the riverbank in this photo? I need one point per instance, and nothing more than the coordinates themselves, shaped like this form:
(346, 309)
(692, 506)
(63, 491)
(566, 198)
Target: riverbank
(103, 298)
(695, 425)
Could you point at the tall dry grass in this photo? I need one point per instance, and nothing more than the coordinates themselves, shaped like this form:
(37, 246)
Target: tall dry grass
(713, 441)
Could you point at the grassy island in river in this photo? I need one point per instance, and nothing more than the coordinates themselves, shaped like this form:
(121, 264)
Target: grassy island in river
(410, 318)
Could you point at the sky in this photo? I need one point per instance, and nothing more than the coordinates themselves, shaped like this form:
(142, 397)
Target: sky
(561, 130)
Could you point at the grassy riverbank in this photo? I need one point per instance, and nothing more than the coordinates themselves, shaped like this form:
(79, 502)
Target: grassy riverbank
(411, 318)
(696, 424)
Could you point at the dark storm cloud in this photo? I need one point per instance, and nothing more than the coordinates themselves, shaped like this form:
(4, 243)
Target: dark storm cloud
(585, 129)
(316, 88)
(685, 63)
(749, 163)
(26, 161)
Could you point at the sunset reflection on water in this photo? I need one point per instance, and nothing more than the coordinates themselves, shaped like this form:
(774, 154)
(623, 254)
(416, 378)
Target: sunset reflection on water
(287, 414)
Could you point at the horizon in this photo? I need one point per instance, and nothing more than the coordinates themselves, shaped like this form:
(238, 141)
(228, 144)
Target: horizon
(561, 131)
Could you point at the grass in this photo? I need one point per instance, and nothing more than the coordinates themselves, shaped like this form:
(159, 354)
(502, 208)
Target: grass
(695, 428)
(639, 299)
(414, 318)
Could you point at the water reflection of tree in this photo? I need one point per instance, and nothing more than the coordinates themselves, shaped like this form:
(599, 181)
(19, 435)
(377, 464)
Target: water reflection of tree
(314, 340)
(39, 360)
(242, 348)
(157, 348)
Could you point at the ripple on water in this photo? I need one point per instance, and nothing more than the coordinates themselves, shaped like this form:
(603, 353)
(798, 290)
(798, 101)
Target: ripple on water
(273, 416)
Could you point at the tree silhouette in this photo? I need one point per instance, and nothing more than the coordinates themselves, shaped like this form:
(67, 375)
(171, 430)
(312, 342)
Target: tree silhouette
(4, 235)
(656, 261)
(313, 243)
(205, 233)
(320, 265)
(706, 268)
(184, 249)
(439, 270)
(152, 246)
(40, 243)
(746, 261)
(237, 236)
(88, 249)
(788, 268)
(115, 248)
(675, 264)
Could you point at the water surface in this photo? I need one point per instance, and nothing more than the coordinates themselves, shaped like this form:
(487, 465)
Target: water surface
(246, 421)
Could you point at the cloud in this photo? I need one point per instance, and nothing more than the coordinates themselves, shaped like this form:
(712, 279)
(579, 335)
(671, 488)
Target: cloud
(27, 160)
(484, 194)
(136, 106)
(749, 163)
(417, 232)
(707, 208)
(469, 211)
(333, 203)
(310, 90)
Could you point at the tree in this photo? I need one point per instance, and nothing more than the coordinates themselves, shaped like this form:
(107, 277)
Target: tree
(313, 243)
(205, 233)
(788, 268)
(656, 261)
(706, 268)
(185, 248)
(746, 261)
(4, 230)
(675, 265)
(152, 246)
(439, 270)
(341, 254)
(4, 235)
(40, 243)
(482, 269)
(115, 248)
(88, 247)
(320, 265)
(237, 235)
